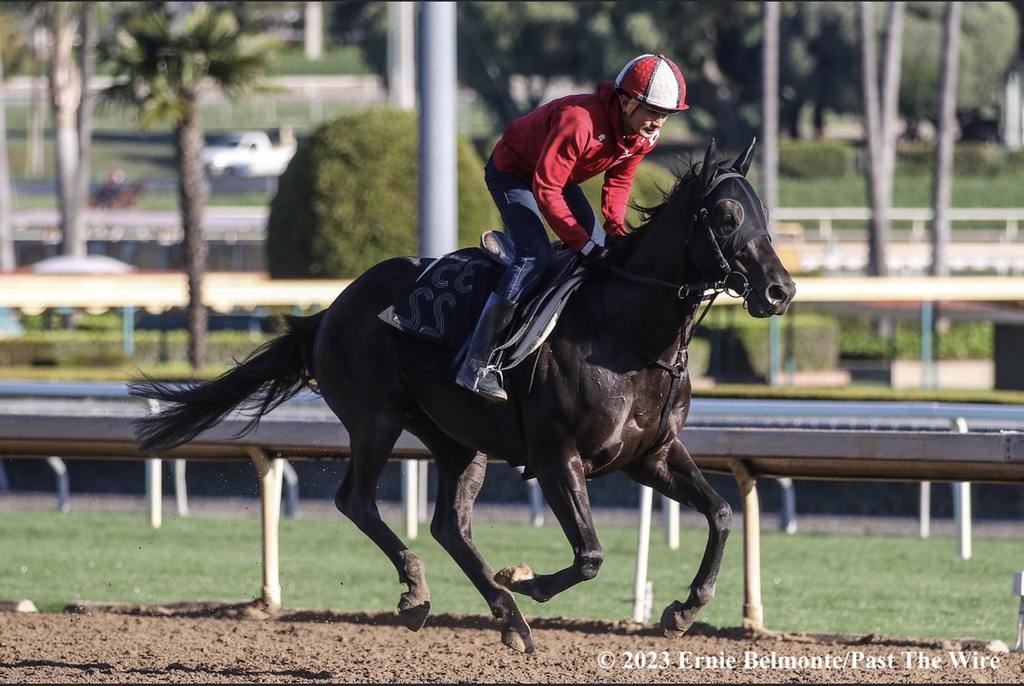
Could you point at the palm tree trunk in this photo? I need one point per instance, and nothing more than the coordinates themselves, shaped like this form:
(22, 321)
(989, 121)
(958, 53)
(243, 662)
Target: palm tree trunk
(188, 138)
(65, 97)
(880, 126)
(6, 233)
(943, 180)
(88, 68)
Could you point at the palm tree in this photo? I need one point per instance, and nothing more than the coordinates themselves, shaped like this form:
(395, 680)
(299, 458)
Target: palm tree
(161, 62)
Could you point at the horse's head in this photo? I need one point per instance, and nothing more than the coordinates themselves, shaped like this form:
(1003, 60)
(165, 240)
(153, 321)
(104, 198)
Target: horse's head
(730, 240)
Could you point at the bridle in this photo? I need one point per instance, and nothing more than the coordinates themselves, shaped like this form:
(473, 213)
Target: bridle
(734, 283)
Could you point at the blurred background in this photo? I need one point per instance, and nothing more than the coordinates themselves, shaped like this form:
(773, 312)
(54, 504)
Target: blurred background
(276, 141)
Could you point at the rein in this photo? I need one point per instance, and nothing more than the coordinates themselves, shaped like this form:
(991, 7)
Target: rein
(677, 368)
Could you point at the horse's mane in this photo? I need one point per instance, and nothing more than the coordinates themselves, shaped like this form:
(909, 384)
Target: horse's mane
(691, 171)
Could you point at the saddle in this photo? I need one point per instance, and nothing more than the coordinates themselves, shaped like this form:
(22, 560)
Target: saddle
(445, 301)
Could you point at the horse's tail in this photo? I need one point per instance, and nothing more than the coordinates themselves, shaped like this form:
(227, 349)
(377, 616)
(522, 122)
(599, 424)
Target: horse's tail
(272, 374)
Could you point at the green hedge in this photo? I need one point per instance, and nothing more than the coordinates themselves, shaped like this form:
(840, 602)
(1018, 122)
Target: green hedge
(348, 198)
(104, 348)
(970, 158)
(817, 159)
(963, 341)
(650, 184)
(739, 342)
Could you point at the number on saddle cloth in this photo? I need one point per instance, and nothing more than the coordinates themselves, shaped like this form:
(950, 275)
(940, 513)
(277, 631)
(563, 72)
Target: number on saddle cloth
(445, 301)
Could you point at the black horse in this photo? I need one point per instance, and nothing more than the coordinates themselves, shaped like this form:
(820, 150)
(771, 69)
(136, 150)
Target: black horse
(608, 392)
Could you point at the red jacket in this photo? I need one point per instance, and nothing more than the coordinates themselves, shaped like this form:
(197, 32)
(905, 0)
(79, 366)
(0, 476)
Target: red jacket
(570, 140)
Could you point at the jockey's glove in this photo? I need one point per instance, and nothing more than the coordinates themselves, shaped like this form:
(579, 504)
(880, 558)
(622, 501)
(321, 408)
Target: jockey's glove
(596, 255)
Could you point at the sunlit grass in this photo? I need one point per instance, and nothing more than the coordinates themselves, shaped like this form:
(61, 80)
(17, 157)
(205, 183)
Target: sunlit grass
(888, 585)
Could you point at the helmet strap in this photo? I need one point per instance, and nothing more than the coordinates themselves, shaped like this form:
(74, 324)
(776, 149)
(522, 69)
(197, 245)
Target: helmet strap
(630, 107)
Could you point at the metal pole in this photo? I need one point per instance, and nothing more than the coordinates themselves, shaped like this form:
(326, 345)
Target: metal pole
(422, 480)
(180, 488)
(927, 371)
(154, 491)
(291, 490)
(643, 545)
(536, 503)
(925, 511)
(962, 506)
(787, 520)
(409, 491)
(774, 352)
(63, 486)
(438, 226)
(670, 510)
(128, 329)
(401, 55)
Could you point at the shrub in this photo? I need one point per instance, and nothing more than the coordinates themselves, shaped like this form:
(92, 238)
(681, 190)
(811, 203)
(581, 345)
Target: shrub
(650, 184)
(104, 348)
(817, 159)
(963, 341)
(349, 197)
(970, 158)
(739, 343)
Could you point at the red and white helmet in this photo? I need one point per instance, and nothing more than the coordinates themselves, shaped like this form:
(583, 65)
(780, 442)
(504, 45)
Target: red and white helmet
(654, 80)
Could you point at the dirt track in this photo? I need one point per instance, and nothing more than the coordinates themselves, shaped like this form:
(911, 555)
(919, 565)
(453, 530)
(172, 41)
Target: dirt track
(232, 645)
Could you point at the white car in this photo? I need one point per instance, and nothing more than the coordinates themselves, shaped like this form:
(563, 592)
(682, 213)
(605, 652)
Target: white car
(247, 153)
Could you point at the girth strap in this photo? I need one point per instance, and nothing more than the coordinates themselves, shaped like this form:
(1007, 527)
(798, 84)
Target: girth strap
(676, 371)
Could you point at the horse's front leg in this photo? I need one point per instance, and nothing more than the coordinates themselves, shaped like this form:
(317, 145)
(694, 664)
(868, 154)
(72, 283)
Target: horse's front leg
(673, 473)
(565, 489)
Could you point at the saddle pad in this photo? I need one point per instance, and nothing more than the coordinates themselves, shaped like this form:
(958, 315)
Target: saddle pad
(445, 301)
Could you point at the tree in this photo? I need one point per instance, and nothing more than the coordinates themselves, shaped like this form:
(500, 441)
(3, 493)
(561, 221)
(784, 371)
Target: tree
(65, 81)
(880, 126)
(988, 46)
(943, 181)
(14, 56)
(160, 61)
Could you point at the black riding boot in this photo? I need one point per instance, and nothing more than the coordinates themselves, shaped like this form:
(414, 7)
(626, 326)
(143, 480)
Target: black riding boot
(473, 374)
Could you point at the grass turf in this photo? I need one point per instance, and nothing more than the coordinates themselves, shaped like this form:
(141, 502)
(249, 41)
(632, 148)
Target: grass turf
(888, 585)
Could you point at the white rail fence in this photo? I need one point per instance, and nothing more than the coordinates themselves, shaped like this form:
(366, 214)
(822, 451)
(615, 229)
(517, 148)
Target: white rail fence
(101, 429)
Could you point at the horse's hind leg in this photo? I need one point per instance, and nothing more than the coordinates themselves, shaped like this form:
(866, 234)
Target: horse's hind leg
(565, 489)
(460, 477)
(673, 473)
(372, 441)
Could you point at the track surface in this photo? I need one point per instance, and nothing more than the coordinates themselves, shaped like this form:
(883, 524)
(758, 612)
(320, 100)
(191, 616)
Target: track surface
(189, 644)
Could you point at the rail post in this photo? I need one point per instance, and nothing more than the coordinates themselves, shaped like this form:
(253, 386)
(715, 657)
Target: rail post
(643, 546)
(753, 610)
(63, 485)
(270, 474)
(670, 510)
(962, 505)
(1018, 590)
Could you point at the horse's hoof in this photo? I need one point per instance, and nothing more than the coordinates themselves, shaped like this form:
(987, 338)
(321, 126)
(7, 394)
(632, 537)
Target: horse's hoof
(509, 576)
(415, 616)
(517, 642)
(676, 620)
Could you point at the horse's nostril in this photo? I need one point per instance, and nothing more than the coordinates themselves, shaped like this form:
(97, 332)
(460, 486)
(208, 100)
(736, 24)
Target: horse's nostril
(775, 294)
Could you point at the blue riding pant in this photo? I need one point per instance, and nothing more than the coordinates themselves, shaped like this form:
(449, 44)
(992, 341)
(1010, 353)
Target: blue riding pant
(525, 225)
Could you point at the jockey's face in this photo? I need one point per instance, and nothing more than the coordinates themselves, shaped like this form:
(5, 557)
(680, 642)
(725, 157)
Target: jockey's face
(638, 118)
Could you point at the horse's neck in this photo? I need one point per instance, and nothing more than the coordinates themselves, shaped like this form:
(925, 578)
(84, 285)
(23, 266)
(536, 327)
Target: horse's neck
(653, 318)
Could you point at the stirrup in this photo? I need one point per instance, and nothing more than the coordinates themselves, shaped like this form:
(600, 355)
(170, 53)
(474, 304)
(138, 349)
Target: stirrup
(497, 393)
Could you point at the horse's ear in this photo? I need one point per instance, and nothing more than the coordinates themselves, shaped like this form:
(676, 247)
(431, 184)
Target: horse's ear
(742, 163)
(708, 169)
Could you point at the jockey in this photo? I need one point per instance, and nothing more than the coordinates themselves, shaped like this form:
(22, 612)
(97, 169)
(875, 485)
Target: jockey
(534, 175)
